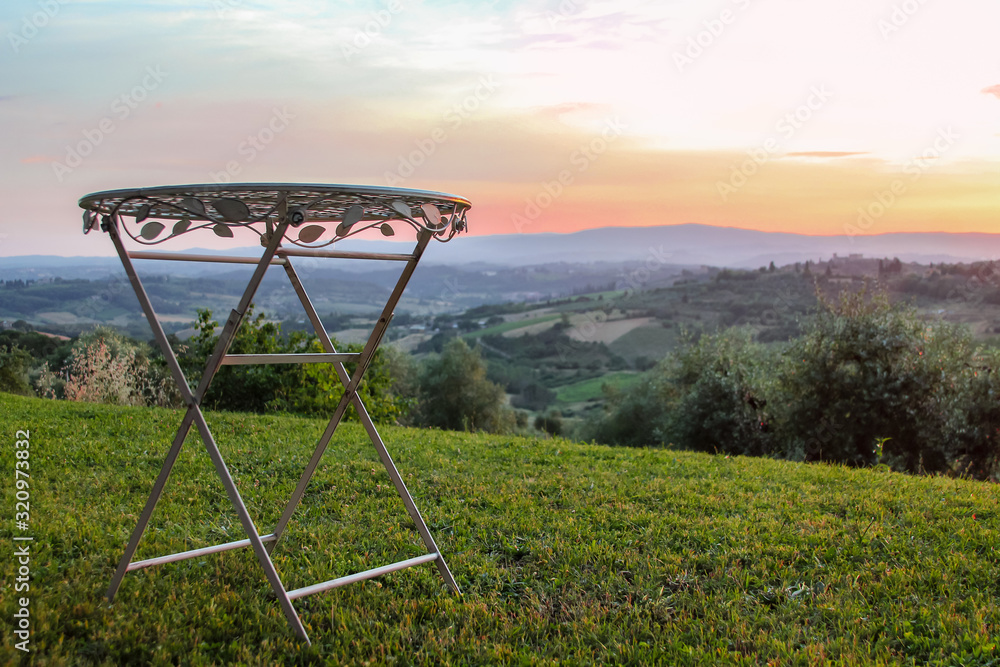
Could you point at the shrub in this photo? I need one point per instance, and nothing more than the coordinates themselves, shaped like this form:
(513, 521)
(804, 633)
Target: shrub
(551, 423)
(312, 389)
(636, 416)
(534, 397)
(971, 413)
(455, 394)
(722, 382)
(708, 395)
(14, 366)
(865, 370)
(106, 367)
(388, 398)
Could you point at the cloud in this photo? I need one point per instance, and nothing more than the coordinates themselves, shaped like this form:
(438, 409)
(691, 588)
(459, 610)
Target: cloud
(992, 90)
(826, 154)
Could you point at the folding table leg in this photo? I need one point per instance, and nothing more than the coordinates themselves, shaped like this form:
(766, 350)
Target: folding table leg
(373, 434)
(250, 529)
(195, 415)
(182, 432)
(350, 396)
(147, 511)
(351, 387)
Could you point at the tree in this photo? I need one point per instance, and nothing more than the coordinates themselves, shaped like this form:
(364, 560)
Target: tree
(534, 397)
(866, 370)
(311, 389)
(707, 395)
(14, 366)
(455, 394)
(251, 388)
(551, 423)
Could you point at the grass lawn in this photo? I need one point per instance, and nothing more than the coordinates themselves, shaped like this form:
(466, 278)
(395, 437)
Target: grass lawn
(586, 390)
(565, 552)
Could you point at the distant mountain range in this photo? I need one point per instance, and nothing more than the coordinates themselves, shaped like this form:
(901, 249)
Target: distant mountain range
(656, 246)
(714, 246)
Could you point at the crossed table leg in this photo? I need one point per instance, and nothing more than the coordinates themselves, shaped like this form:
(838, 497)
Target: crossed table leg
(263, 545)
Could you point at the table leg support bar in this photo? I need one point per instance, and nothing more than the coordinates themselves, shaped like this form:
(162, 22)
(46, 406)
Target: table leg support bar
(194, 553)
(361, 576)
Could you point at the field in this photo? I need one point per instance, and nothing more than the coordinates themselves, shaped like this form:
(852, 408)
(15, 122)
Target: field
(588, 390)
(507, 327)
(565, 552)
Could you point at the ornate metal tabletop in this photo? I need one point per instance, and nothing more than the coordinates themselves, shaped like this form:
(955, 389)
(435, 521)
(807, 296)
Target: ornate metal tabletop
(157, 214)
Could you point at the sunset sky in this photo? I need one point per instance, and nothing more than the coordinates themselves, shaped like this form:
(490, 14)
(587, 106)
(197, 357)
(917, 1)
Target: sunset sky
(860, 116)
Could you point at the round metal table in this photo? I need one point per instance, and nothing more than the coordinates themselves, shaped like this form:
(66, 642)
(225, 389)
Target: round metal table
(310, 218)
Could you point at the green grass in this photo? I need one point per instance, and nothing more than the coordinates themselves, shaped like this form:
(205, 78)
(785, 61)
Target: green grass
(566, 552)
(591, 389)
(510, 326)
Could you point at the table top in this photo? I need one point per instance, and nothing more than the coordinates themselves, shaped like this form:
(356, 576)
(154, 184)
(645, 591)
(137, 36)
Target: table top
(312, 209)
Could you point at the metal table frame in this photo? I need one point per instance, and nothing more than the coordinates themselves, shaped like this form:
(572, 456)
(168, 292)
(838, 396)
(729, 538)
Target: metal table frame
(277, 212)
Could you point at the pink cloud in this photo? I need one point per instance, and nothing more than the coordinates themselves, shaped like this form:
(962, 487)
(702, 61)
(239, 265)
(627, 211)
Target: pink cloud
(826, 154)
(992, 90)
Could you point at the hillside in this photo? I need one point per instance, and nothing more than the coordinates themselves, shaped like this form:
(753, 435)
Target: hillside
(557, 354)
(565, 552)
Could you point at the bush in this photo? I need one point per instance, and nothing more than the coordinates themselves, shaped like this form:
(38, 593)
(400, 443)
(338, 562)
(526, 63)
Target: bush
(311, 389)
(251, 388)
(866, 370)
(106, 367)
(455, 394)
(707, 396)
(722, 381)
(388, 398)
(637, 416)
(863, 371)
(534, 397)
(970, 414)
(551, 423)
(14, 366)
